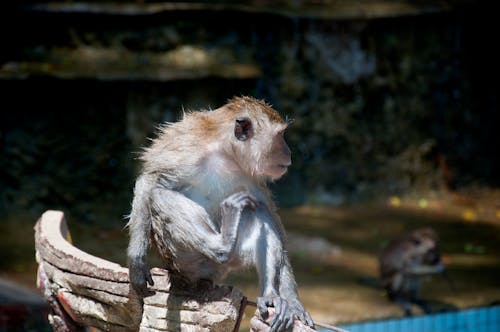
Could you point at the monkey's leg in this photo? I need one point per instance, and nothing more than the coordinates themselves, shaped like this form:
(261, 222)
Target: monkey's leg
(190, 224)
(404, 304)
(415, 298)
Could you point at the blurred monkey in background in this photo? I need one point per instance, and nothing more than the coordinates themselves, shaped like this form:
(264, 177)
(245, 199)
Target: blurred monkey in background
(405, 262)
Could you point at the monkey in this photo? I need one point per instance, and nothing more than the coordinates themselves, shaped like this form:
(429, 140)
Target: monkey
(202, 199)
(404, 263)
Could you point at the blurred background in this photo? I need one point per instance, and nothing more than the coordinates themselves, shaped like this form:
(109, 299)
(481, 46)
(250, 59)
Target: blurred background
(396, 127)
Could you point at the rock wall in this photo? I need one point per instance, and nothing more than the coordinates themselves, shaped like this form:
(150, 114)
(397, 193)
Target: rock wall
(382, 105)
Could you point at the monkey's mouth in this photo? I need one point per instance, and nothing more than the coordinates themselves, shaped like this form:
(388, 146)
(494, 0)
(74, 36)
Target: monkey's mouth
(282, 168)
(275, 171)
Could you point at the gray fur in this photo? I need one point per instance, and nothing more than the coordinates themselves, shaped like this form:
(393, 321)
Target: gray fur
(207, 216)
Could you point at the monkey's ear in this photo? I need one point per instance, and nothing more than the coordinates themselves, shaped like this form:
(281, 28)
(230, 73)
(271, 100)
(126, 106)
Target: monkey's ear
(243, 128)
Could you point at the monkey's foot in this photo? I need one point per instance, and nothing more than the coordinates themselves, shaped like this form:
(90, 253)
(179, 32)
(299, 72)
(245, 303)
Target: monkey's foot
(259, 324)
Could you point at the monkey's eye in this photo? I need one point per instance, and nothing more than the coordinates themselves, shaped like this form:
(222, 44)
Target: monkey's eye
(243, 129)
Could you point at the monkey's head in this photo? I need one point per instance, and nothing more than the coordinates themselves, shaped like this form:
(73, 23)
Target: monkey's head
(258, 138)
(426, 244)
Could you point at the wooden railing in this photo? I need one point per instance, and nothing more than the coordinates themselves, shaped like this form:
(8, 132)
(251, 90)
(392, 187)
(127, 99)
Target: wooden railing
(88, 291)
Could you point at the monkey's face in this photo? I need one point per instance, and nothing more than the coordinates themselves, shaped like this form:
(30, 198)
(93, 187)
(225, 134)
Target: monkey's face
(426, 246)
(262, 147)
(279, 157)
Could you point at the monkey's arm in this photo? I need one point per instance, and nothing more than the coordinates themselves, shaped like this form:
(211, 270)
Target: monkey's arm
(424, 269)
(288, 291)
(190, 224)
(140, 235)
(278, 286)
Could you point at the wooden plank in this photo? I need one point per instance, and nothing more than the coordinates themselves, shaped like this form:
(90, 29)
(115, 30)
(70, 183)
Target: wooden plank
(88, 291)
(85, 290)
(51, 243)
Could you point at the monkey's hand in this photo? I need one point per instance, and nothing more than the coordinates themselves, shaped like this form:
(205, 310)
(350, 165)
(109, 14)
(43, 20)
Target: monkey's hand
(140, 276)
(234, 204)
(231, 211)
(284, 315)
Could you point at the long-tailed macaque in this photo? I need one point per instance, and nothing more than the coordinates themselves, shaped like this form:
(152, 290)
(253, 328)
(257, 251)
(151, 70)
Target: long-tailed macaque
(202, 198)
(404, 263)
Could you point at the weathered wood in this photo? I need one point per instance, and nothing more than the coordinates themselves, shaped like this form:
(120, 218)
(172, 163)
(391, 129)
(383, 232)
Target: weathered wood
(84, 290)
(51, 244)
(87, 291)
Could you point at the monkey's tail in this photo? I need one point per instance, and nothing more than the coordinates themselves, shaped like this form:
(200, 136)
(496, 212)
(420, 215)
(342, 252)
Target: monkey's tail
(246, 302)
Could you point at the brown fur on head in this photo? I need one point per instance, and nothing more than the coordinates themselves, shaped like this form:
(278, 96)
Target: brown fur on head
(254, 106)
(262, 153)
(247, 133)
